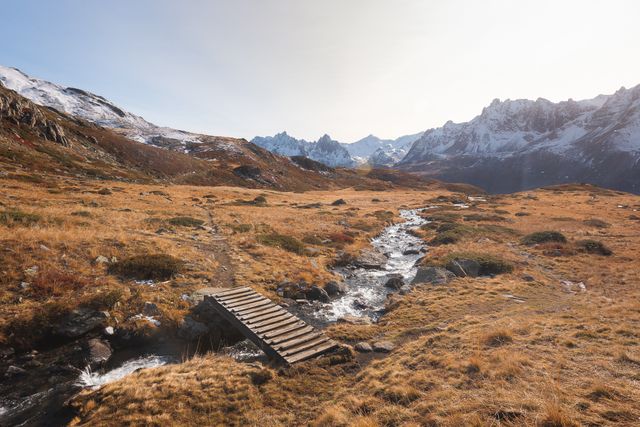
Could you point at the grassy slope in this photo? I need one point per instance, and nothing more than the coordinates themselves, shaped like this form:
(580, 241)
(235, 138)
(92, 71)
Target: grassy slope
(562, 356)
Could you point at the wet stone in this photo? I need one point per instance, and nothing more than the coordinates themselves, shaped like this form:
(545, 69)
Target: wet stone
(363, 347)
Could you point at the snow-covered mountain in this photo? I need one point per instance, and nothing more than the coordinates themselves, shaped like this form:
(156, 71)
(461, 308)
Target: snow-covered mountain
(392, 149)
(513, 145)
(371, 149)
(324, 150)
(93, 108)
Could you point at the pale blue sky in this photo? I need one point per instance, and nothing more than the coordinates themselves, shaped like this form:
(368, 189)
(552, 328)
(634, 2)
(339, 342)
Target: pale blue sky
(344, 67)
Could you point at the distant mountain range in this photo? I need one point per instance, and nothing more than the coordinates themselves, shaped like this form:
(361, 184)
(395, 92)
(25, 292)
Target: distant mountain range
(371, 149)
(515, 145)
(512, 145)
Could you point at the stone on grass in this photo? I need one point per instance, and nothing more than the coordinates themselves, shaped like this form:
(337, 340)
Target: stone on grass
(364, 347)
(464, 267)
(433, 275)
(383, 347)
(81, 321)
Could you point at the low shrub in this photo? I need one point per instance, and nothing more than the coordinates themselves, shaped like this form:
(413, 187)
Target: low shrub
(260, 200)
(481, 217)
(84, 214)
(341, 238)
(147, 267)
(288, 243)
(55, 283)
(522, 214)
(18, 218)
(597, 223)
(593, 247)
(185, 221)
(312, 239)
(543, 237)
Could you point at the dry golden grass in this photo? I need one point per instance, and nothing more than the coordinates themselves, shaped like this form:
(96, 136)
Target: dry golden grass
(517, 348)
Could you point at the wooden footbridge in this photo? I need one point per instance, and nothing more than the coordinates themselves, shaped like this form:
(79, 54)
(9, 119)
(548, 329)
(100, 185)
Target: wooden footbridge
(280, 334)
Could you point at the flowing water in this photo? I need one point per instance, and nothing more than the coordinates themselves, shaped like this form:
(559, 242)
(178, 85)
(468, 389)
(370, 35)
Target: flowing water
(90, 379)
(366, 293)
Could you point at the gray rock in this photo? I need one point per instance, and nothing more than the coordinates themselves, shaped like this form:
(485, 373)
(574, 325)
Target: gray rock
(150, 309)
(363, 347)
(98, 352)
(108, 330)
(394, 282)
(317, 294)
(31, 271)
(191, 330)
(464, 267)
(334, 288)
(370, 259)
(383, 347)
(14, 371)
(101, 259)
(411, 251)
(81, 321)
(433, 275)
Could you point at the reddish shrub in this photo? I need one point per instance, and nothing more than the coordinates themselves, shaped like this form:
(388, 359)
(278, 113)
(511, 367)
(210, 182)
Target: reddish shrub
(55, 283)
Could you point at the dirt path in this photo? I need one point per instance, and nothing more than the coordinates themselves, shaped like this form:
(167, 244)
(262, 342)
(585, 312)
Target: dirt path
(223, 276)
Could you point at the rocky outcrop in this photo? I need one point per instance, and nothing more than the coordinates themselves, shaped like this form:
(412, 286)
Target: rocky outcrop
(19, 111)
(81, 321)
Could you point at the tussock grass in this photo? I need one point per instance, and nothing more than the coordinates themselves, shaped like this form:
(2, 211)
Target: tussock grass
(497, 338)
(147, 267)
(15, 218)
(543, 237)
(282, 241)
(593, 247)
(185, 221)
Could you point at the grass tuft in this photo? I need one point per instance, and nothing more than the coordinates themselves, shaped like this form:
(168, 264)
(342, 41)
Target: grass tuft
(147, 267)
(543, 237)
(18, 218)
(594, 247)
(185, 221)
(282, 241)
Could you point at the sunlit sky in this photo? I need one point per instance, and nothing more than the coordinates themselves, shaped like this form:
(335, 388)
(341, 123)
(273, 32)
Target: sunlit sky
(344, 67)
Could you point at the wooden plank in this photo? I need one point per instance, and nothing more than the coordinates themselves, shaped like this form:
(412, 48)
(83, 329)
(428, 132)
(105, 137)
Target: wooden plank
(249, 306)
(264, 317)
(278, 325)
(232, 291)
(273, 334)
(234, 304)
(259, 313)
(304, 346)
(267, 322)
(254, 310)
(295, 341)
(311, 353)
(236, 296)
(284, 337)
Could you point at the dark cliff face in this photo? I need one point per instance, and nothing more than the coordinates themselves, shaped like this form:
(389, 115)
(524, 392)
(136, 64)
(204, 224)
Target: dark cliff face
(21, 112)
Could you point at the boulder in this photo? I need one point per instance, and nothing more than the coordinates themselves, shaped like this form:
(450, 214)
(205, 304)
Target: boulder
(14, 371)
(411, 251)
(334, 288)
(291, 290)
(394, 282)
(191, 330)
(98, 352)
(433, 275)
(383, 347)
(464, 267)
(370, 259)
(317, 294)
(364, 347)
(81, 321)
